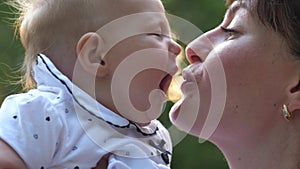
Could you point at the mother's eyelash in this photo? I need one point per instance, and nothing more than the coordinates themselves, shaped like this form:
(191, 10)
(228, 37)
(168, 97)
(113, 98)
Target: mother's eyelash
(227, 30)
(230, 33)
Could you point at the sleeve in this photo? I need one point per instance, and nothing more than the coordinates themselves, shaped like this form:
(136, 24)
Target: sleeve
(31, 127)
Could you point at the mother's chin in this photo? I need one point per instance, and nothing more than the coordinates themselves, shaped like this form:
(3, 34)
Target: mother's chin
(173, 114)
(184, 113)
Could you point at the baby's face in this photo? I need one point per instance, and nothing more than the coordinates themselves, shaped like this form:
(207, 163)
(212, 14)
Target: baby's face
(141, 53)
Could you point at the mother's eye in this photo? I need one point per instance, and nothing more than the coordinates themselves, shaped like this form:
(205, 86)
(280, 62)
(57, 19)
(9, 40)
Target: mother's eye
(230, 33)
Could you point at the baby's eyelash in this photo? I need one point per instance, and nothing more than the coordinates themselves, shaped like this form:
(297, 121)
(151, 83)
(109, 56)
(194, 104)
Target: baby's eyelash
(155, 34)
(159, 35)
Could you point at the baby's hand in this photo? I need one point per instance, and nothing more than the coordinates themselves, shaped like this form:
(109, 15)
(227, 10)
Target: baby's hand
(9, 158)
(103, 162)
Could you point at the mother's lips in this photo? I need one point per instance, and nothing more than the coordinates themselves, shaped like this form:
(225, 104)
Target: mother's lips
(189, 73)
(187, 76)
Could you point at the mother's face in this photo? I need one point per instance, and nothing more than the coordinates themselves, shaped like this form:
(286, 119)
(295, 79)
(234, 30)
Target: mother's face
(238, 79)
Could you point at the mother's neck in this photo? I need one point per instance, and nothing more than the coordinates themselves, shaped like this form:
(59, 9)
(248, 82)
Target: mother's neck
(278, 148)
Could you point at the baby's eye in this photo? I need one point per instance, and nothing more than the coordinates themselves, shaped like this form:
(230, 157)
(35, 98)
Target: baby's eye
(230, 33)
(155, 34)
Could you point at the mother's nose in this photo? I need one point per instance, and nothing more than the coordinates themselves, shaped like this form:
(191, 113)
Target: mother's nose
(198, 49)
(191, 56)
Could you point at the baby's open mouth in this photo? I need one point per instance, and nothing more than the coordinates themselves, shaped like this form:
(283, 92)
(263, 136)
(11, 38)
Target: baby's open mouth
(165, 83)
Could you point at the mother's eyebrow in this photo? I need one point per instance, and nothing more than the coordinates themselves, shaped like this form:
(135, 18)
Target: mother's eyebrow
(235, 7)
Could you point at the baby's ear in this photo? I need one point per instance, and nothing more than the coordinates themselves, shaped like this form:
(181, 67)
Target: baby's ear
(90, 54)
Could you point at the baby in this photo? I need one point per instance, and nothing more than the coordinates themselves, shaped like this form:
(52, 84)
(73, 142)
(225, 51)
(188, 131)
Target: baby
(96, 72)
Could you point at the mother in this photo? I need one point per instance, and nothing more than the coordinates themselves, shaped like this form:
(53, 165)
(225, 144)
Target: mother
(258, 44)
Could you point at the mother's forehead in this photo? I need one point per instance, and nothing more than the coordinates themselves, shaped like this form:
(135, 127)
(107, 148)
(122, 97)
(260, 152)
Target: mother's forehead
(236, 5)
(230, 2)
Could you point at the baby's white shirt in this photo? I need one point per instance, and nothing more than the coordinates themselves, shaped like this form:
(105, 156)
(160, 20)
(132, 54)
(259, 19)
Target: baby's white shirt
(59, 126)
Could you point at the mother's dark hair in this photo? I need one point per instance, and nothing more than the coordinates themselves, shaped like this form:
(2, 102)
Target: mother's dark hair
(283, 16)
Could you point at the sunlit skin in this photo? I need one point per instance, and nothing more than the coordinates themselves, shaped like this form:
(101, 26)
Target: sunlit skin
(261, 76)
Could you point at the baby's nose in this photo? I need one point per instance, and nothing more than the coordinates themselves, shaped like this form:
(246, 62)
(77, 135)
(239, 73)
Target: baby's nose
(174, 48)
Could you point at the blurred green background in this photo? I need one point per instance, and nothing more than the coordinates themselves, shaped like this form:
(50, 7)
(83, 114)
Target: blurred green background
(205, 14)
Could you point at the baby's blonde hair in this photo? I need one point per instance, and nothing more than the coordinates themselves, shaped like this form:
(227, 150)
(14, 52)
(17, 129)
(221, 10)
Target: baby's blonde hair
(43, 24)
